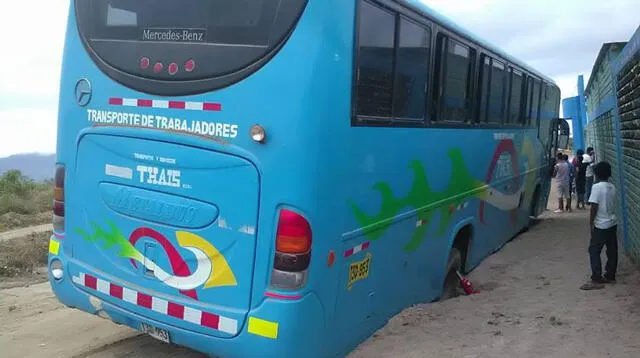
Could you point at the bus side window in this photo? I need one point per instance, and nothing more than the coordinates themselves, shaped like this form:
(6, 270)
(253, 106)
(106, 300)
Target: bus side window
(457, 69)
(515, 98)
(498, 99)
(535, 104)
(484, 88)
(528, 98)
(376, 37)
(412, 68)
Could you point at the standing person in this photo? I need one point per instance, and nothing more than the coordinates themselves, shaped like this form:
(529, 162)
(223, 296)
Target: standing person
(572, 174)
(604, 227)
(561, 173)
(590, 160)
(581, 179)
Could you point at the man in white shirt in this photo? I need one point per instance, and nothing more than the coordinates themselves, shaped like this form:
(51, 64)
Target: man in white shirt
(590, 160)
(604, 228)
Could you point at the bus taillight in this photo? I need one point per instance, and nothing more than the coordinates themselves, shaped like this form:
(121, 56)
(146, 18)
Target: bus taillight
(58, 200)
(293, 251)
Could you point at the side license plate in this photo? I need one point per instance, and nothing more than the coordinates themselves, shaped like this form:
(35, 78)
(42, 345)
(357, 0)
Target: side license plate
(359, 270)
(157, 333)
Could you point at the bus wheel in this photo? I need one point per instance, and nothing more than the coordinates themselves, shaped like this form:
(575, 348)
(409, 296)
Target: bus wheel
(451, 283)
(535, 202)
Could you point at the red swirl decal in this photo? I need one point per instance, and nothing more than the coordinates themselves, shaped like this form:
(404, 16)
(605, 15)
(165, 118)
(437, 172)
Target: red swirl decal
(505, 146)
(178, 265)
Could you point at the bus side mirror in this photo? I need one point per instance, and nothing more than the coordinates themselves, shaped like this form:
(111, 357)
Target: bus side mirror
(563, 133)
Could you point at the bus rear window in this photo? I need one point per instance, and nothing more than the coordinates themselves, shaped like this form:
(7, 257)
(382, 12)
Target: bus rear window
(157, 45)
(245, 22)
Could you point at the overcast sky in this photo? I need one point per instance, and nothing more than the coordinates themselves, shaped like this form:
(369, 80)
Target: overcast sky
(560, 38)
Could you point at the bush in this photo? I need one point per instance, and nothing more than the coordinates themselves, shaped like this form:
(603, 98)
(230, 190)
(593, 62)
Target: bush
(21, 197)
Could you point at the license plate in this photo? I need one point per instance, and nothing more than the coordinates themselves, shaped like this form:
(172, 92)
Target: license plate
(157, 333)
(359, 270)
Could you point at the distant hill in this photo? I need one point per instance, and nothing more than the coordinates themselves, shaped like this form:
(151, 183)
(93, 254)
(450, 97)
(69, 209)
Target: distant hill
(36, 166)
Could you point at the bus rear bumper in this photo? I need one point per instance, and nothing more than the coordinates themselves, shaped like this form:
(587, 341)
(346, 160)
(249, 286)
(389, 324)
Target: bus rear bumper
(276, 328)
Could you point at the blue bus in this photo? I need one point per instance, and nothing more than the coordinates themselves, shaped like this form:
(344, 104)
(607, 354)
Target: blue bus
(279, 178)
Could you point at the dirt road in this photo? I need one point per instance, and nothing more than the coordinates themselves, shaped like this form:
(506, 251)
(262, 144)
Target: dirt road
(14, 234)
(530, 306)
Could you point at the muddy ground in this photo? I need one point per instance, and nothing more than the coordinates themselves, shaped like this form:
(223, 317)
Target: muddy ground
(530, 306)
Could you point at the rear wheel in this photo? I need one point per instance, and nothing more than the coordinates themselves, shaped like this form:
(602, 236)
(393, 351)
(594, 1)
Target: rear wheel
(451, 283)
(535, 202)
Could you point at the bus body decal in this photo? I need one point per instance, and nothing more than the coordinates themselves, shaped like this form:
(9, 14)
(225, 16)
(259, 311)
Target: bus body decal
(263, 328)
(461, 187)
(420, 196)
(54, 246)
(212, 269)
(356, 249)
(159, 305)
(154, 103)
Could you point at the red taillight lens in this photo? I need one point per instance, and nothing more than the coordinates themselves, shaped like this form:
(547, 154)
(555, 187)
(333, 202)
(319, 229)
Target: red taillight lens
(294, 233)
(58, 199)
(58, 208)
(293, 251)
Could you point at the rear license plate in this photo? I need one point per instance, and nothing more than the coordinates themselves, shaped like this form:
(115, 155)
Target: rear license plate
(157, 333)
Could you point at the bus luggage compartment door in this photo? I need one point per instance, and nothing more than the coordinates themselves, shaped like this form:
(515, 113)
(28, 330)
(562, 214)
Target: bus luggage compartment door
(174, 224)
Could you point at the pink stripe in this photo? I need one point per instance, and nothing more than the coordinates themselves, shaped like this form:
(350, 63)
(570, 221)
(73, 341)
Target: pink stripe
(211, 107)
(175, 310)
(206, 106)
(348, 252)
(210, 320)
(115, 291)
(59, 236)
(176, 104)
(144, 300)
(145, 103)
(282, 297)
(366, 245)
(91, 282)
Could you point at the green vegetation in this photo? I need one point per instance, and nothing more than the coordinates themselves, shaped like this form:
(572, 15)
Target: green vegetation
(23, 202)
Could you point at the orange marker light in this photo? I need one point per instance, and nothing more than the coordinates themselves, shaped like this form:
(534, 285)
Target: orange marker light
(331, 259)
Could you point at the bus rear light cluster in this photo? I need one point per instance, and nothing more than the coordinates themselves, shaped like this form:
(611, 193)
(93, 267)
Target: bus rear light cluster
(293, 251)
(58, 200)
(172, 69)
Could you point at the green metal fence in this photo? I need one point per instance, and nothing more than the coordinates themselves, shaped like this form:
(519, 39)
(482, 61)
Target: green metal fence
(601, 134)
(628, 101)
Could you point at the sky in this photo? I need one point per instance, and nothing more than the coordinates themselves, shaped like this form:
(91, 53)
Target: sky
(560, 38)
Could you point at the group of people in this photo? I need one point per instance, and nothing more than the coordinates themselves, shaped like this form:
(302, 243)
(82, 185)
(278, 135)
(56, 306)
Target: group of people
(575, 176)
(591, 182)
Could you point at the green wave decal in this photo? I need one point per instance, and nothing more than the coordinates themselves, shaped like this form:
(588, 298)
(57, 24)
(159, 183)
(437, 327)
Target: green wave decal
(421, 197)
(112, 238)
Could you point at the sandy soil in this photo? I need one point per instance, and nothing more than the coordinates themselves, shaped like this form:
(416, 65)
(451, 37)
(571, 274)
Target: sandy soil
(530, 306)
(18, 233)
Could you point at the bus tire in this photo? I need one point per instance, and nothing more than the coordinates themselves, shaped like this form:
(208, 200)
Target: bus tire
(451, 287)
(535, 202)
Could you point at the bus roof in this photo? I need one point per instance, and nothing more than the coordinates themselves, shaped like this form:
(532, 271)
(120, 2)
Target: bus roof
(447, 23)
